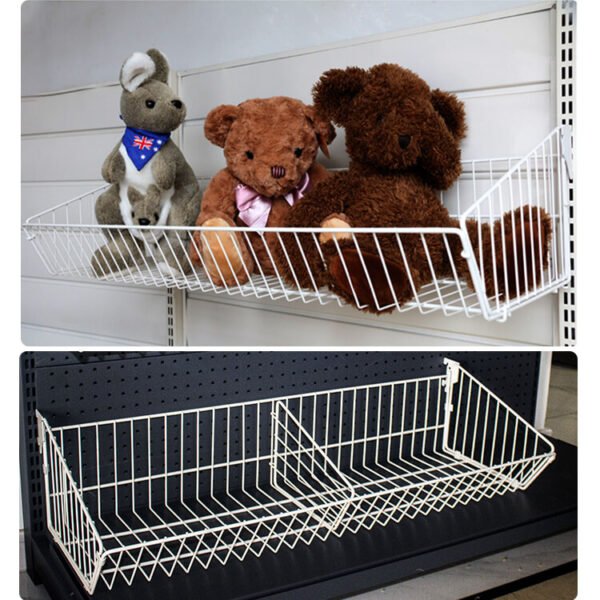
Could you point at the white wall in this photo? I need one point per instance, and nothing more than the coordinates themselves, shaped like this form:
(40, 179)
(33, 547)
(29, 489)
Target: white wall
(71, 44)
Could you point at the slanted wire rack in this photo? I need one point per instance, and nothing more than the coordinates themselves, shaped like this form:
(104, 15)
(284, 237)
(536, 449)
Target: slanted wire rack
(132, 497)
(66, 236)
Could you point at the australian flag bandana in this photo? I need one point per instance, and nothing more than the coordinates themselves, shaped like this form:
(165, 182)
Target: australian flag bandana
(142, 145)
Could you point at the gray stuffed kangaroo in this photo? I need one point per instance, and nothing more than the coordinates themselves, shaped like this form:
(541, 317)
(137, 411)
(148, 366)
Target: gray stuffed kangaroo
(146, 162)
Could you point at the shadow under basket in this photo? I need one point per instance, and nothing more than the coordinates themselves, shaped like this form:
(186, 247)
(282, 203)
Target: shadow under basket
(138, 496)
(515, 269)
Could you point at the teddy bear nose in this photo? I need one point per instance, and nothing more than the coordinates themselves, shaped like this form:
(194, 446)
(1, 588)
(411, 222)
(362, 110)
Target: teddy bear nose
(404, 141)
(277, 171)
(177, 103)
(144, 221)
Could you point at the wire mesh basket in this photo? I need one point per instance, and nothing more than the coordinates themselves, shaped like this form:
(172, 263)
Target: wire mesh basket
(491, 200)
(420, 445)
(493, 259)
(128, 497)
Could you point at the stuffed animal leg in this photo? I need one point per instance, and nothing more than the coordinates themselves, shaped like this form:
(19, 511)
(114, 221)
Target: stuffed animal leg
(223, 254)
(513, 254)
(121, 252)
(299, 257)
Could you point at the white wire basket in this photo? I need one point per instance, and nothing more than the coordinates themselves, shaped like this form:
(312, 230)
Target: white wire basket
(416, 446)
(492, 263)
(129, 497)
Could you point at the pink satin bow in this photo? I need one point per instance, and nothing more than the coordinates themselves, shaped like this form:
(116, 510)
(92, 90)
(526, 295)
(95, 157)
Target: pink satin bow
(254, 209)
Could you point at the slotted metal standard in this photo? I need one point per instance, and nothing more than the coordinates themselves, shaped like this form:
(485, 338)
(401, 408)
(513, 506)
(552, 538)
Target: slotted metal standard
(65, 238)
(126, 497)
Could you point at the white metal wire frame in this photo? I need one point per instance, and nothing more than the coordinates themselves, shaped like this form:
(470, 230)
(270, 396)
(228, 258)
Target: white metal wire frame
(66, 237)
(128, 497)
(416, 446)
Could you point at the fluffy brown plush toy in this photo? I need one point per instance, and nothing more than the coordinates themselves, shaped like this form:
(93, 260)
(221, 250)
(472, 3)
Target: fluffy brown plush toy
(403, 140)
(270, 146)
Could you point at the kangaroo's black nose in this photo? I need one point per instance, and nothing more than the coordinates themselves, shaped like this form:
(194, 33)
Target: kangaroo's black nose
(144, 222)
(404, 141)
(277, 171)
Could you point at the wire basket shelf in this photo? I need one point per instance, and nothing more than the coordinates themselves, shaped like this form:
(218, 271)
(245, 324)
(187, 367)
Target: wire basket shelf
(131, 497)
(489, 263)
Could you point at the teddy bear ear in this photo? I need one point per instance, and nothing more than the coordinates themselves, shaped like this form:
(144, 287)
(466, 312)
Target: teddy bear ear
(137, 69)
(440, 158)
(218, 123)
(335, 91)
(161, 64)
(452, 110)
(324, 129)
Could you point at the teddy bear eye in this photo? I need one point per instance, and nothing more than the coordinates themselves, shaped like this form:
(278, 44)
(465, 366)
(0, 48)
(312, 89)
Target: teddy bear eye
(379, 119)
(249, 154)
(150, 103)
(298, 152)
(156, 216)
(132, 214)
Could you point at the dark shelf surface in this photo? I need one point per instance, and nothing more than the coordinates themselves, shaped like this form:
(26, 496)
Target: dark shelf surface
(355, 563)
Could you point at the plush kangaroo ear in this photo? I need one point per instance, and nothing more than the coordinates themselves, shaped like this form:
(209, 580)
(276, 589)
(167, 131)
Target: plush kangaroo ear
(218, 123)
(334, 92)
(452, 110)
(137, 69)
(324, 129)
(161, 64)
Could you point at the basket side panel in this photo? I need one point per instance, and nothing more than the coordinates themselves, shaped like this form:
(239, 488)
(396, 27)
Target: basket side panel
(485, 432)
(68, 518)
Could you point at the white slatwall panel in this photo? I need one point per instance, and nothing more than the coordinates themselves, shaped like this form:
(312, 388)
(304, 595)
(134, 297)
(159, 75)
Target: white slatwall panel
(99, 309)
(495, 53)
(66, 136)
(77, 110)
(503, 71)
(501, 68)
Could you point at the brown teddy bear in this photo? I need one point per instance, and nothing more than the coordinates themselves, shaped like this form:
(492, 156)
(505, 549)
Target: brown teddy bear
(270, 146)
(403, 140)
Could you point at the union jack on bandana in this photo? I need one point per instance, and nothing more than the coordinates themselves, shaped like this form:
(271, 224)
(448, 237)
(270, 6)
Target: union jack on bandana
(142, 145)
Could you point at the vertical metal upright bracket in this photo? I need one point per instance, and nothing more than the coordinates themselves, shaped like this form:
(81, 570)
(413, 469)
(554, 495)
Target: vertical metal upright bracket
(565, 100)
(176, 298)
(176, 308)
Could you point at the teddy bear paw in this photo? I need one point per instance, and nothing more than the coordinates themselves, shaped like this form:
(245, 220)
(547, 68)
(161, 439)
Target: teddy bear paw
(336, 221)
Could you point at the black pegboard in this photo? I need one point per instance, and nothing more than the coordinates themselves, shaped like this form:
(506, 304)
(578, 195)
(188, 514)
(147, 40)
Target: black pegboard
(75, 388)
